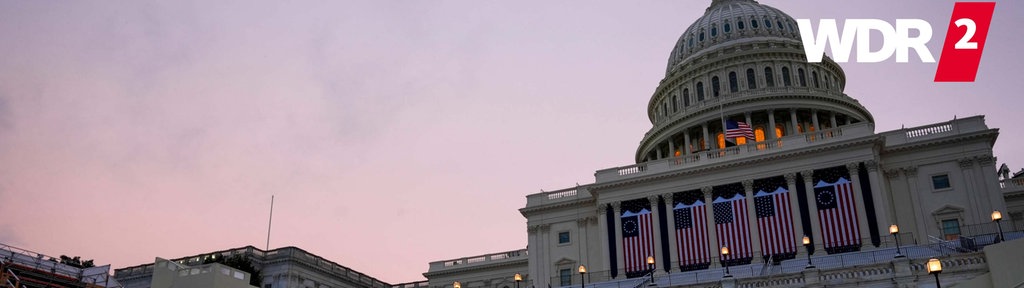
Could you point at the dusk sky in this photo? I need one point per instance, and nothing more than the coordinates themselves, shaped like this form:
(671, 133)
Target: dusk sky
(393, 133)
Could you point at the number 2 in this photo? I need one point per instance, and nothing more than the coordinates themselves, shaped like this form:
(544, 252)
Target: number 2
(965, 42)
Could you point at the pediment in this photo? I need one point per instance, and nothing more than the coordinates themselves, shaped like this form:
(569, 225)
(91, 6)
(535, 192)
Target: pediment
(948, 209)
(565, 261)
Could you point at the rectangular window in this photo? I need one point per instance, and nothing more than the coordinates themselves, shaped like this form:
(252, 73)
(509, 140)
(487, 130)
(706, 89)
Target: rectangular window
(940, 182)
(563, 237)
(565, 276)
(951, 229)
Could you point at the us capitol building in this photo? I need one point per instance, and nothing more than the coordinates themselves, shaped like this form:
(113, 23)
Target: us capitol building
(757, 171)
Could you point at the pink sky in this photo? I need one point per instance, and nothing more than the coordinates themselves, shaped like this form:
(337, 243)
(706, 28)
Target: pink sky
(393, 133)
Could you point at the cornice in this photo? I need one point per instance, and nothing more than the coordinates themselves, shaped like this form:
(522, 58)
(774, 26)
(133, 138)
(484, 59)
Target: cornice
(990, 133)
(527, 211)
(469, 268)
(867, 140)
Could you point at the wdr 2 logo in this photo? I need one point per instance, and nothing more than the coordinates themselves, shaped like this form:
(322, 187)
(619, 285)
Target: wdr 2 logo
(961, 53)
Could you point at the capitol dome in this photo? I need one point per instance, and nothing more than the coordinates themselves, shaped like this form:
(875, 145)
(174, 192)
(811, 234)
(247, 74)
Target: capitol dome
(743, 61)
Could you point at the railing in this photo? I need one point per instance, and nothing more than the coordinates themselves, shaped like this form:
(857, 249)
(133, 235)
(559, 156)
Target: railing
(699, 158)
(417, 284)
(479, 260)
(956, 126)
(1013, 183)
(726, 96)
(567, 194)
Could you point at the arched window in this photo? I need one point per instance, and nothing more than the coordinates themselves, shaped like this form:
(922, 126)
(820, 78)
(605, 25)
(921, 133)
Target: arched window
(740, 140)
(769, 77)
(800, 75)
(753, 24)
(686, 97)
(814, 76)
(714, 86)
(751, 81)
(767, 23)
(714, 31)
(664, 109)
(721, 140)
(675, 103)
(785, 77)
(691, 41)
(701, 37)
(828, 82)
(759, 134)
(700, 91)
(779, 25)
(740, 25)
(779, 131)
(733, 86)
(727, 27)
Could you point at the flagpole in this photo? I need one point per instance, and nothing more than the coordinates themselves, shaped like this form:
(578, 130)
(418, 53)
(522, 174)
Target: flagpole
(270, 222)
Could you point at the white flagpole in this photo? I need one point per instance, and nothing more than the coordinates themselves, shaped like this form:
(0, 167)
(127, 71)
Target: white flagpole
(271, 222)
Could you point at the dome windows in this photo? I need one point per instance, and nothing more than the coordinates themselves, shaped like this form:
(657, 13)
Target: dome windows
(675, 103)
(727, 27)
(691, 42)
(740, 25)
(779, 25)
(769, 77)
(751, 81)
(814, 77)
(714, 86)
(786, 78)
(700, 91)
(733, 86)
(767, 23)
(714, 31)
(802, 77)
(686, 98)
(753, 24)
(701, 37)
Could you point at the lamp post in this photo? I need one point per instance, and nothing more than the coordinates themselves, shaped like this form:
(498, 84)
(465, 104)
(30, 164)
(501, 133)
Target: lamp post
(518, 278)
(935, 267)
(895, 231)
(996, 217)
(650, 263)
(725, 253)
(583, 280)
(456, 285)
(807, 244)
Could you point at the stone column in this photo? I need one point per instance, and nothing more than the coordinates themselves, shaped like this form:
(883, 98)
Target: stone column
(919, 218)
(858, 198)
(771, 124)
(671, 148)
(755, 236)
(794, 204)
(658, 149)
(812, 208)
(987, 166)
(832, 119)
(620, 258)
(707, 139)
(749, 122)
(602, 228)
(686, 142)
(976, 210)
(656, 211)
(534, 257)
(581, 225)
(545, 255)
(882, 201)
(673, 251)
(710, 214)
(796, 125)
(892, 185)
(814, 120)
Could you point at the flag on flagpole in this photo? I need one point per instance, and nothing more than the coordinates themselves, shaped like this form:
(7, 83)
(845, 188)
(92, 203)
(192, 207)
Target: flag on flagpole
(736, 129)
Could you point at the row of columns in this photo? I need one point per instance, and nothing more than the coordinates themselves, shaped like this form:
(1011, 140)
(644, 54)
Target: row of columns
(751, 214)
(770, 133)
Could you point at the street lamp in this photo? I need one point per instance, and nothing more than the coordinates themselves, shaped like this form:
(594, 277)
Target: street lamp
(650, 263)
(725, 253)
(935, 267)
(996, 217)
(583, 280)
(807, 244)
(456, 285)
(518, 278)
(895, 231)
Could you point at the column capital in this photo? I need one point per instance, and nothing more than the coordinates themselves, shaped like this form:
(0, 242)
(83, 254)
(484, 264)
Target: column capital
(669, 198)
(808, 175)
(790, 177)
(892, 173)
(748, 185)
(544, 227)
(985, 160)
(532, 229)
(601, 209)
(872, 165)
(965, 162)
(653, 199)
(910, 171)
(617, 207)
(853, 167)
(707, 192)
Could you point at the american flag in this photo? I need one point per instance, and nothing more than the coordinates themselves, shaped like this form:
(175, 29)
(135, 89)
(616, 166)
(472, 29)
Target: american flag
(838, 215)
(735, 129)
(692, 235)
(637, 241)
(774, 222)
(732, 226)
